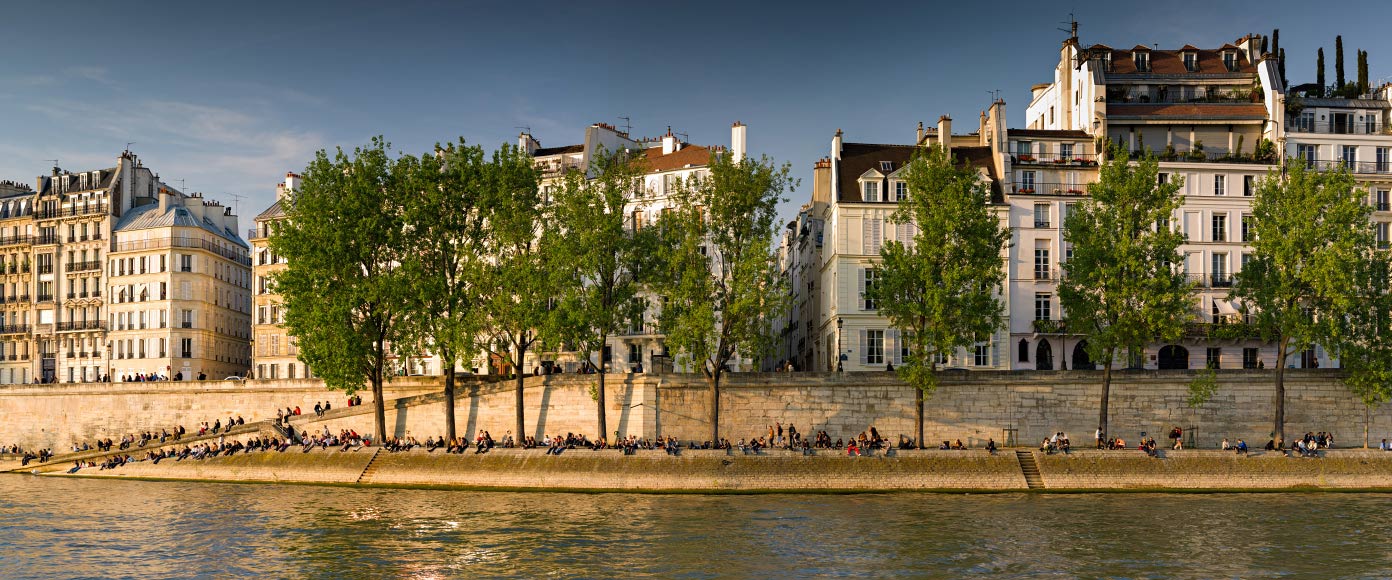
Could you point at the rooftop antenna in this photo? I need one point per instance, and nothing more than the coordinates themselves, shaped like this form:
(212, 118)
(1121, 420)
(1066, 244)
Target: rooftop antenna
(995, 94)
(1072, 29)
(128, 144)
(182, 188)
(628, 125)
(236, 202)
(683, 136)
(524, 128)
(55, 163)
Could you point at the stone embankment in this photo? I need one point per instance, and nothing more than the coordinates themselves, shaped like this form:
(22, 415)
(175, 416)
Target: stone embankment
(777, 471)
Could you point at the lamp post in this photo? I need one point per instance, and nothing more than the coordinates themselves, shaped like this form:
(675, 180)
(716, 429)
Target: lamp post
(839, 355)
(108, 361)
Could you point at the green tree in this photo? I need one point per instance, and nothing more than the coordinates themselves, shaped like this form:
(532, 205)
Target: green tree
(1339, 64)
(443, 237)
(1281, 65)
(1319, 72)
(341, 288)
(1120, 287)
(720, 281)
(605, 255)
(1312, 240)
(943, 290)
(1364, 342)
(1363, 86)
(517, 286)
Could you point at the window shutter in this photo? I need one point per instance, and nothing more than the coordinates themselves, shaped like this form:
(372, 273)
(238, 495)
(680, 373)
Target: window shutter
(864, 352)
(995, 355)
(861, 279)
(876, 235)
(897, 355)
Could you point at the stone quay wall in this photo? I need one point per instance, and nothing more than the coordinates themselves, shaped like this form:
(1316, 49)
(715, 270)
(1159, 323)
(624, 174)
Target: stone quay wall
(973, 407)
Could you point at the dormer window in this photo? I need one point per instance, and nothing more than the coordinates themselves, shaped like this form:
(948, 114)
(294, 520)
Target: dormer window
(1107, 61)
(1142, 60)
(1191, 62)
(872, 191)
(1230, 60)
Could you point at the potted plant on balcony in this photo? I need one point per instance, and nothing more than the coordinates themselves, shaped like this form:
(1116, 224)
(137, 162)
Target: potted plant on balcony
(1075, 191)
(1026, 158)
(1027, 190)
(1196, 153)
(1169, 154)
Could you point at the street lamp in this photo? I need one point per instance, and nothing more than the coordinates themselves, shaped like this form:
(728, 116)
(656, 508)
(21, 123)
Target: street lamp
(839, 356)
(108, 361)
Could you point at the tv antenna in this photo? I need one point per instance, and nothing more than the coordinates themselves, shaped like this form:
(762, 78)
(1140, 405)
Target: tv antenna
(128, 144)
(628, 125)
(683, 136)
(525, 129)
(995, 94)
(55, 163)
(1072, 23)
(236, 202)
(183, 188)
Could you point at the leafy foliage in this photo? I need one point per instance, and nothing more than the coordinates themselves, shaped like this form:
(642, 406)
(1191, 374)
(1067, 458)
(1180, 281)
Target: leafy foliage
(1202, 388)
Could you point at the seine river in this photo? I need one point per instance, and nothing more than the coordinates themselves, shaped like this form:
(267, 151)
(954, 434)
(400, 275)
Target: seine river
(65, 528)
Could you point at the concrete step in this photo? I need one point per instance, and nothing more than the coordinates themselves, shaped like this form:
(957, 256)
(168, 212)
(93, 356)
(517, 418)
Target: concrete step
(1029, 468)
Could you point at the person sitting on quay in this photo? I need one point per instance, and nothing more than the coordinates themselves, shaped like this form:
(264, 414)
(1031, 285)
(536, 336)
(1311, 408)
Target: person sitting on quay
(946, 445)
(990, 446)
(852, 450)
(1225, 446)
(1241, 447)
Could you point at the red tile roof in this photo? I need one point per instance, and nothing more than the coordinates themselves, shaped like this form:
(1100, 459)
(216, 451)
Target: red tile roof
(694, 155)
(1171, 62)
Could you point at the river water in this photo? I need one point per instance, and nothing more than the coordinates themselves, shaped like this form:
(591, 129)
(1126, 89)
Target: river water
(73, 528)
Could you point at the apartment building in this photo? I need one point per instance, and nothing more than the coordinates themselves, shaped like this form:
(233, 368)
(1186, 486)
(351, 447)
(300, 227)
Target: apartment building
(1327, 133)
(113, 273)
(855, 191)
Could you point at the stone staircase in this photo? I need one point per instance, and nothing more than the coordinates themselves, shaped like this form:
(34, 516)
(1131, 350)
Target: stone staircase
(1030, 469)
(371, 469)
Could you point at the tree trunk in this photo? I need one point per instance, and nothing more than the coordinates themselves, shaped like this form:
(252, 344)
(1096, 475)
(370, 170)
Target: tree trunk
(380, 406)
(1102, 412)
(715, 405)
(521, 416)
(918, 422)
(449, 402)
(1367, 420)
(599, 401)
(1279, 432)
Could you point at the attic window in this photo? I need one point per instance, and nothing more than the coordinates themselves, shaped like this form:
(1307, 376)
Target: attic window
(1107, 61)
(1191, 62)
(1142, 61)
(1230, 61)
(886, 166)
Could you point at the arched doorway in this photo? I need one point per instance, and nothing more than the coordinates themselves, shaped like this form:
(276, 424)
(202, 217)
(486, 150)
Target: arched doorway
(1044, 356)
(1081, 360)
(1173, 356)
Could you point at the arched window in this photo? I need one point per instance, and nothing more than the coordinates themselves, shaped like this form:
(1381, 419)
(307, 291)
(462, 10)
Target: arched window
(1024, 350)
(1173, 356)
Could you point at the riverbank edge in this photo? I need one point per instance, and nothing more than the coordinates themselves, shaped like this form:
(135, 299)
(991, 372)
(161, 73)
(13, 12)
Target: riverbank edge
(704, 472)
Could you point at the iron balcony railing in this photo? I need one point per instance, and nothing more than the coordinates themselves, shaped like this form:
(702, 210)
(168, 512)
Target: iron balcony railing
(182, 243)
(82, 325)
(1055, 159)
(1051, 326)
(45, 298)
(16, 240)
(14, 329)
(1361, 167)
(83, 266)
(72, 210)
(1296, 125)
(1047, 188)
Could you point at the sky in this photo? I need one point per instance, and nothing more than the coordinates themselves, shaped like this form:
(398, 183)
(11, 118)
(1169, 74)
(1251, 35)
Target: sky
(225, 98)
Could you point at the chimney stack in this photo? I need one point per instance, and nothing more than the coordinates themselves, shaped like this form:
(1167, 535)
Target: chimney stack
(945, 132)
(669, 143)
(737, 141)
(919, 139)
(526, 143)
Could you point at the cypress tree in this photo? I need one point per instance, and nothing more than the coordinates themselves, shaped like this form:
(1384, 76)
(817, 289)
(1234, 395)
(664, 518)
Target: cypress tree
(1339, 63)
(1281, 65)
(1280, 55)
(1363, 85)
(1319, 71)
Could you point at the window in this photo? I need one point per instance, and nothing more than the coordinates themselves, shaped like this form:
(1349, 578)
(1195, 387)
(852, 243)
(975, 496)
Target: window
(1230, 61)
(1042, 306)
(1024, 350)
(1381, 233)
(1026, 182)
(185, 263)
(1066, 151)
(1191, 62)
(983, 355)
(1305, 123)
(1041, 263)
(1381, 198)
(1348, 154)
(1041, 215)
(1024, 150)
(874, 347)
(1306, 152)
(872, 191)
(1142, 60)
(1215, 356)
(186, 347)
(1162, 178)
(637, 220)
(874, 235)
(188, 319)
(1247, 182)
(886, 166)
(1220, 227)
(901, 191)
(1220, 184)
(1384, 159)
(1370, 125)
(1247, 228)
(1249, 358)
(868, 288)
(1221, 279)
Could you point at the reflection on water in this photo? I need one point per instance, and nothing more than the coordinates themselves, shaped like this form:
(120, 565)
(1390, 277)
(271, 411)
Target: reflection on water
(65, 528)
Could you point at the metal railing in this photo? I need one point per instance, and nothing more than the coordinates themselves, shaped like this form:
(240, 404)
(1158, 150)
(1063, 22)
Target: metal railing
(1051, 326)
(1295, 125)
(14, 329)
(82, 325)
(1055, 159)
(70, 211)
(1046, 188)
(181, 243)
(46, 239)
(45, 298)
(83, 266)
(16, 240)
(1364, 167)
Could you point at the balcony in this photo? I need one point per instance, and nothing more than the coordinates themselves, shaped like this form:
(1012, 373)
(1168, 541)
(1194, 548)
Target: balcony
(1357, 167)
(16, 240)
(15, 268)
(1382, 206)
(1051, 326)
(14, 329)
(1294, 125)
(70, 211)
(1207, 156)
(1041, 224)
(1038, 188)
(1219, 280)
(45, 298)
(81, 325)
(45, 268)
(182, 243)
(45, 240)
(1221, 330)
(83, 266)
(1055, 159)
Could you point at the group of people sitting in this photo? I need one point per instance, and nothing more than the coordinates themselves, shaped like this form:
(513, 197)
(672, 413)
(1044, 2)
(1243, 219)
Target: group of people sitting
(1058, 442)
(1240, 448)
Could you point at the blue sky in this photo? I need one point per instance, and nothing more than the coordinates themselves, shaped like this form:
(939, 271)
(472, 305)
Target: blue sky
(230, 96)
